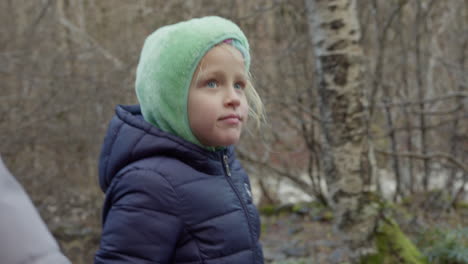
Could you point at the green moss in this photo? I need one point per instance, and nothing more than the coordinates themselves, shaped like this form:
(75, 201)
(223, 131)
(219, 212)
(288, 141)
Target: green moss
(295, 261)
(394, 247)
(327, 216)
(461, 205)
(268, 210)
(284, 209)
(301, 208)
(264, 227)
(304, 207)
(407, 201)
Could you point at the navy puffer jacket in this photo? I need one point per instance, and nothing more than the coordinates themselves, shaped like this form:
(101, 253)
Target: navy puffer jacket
(171, 201)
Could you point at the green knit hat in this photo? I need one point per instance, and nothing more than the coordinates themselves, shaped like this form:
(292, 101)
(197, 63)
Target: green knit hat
(168, 60)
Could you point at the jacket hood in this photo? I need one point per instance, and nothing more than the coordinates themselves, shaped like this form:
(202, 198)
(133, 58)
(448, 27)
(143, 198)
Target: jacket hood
(130, 138)
(168, 60)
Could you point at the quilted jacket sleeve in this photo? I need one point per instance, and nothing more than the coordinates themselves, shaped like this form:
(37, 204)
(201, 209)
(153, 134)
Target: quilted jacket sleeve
(141, 223)
(24, 237)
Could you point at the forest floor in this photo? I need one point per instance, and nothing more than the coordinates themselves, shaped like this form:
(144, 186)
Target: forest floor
(296, 239)
(304, 235)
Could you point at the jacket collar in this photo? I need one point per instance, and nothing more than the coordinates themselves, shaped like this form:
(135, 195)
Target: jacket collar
(130, 138)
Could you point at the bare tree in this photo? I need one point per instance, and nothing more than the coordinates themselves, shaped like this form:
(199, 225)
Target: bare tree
(335, 33)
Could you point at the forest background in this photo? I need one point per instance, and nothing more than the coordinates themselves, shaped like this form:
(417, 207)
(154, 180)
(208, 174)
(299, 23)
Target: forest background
(64, 65)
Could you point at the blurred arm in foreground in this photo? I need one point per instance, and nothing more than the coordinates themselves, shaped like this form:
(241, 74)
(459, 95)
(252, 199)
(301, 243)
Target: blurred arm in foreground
(24, 237)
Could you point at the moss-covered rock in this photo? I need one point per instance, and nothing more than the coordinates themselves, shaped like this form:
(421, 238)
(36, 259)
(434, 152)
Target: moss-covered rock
(394, 247)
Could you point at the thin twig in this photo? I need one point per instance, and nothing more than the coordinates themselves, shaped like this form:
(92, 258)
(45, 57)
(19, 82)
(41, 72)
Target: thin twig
(428, 156)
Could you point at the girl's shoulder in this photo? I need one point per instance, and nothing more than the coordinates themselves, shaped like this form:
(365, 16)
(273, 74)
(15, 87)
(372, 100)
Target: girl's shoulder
(155, 169)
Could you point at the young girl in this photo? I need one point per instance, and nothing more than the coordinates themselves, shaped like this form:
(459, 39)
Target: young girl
(175, 192)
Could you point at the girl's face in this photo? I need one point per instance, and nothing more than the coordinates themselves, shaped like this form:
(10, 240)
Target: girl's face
(217, 106)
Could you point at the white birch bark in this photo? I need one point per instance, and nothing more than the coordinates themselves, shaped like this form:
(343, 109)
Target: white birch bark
(335, 33)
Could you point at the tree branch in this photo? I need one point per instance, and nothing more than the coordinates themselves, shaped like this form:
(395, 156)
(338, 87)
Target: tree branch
(428, 156)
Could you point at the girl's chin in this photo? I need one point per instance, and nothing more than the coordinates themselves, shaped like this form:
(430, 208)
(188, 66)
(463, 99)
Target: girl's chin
(226, 142)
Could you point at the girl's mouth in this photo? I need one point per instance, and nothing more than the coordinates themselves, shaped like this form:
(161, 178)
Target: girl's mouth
(231, 119)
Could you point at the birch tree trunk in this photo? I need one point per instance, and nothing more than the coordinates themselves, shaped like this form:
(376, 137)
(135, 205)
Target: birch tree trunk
(335, 34)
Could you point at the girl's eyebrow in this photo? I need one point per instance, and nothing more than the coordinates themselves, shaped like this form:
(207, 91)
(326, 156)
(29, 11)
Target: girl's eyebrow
(218, 73)
(206, 75)
(211, 72)
(242, 76)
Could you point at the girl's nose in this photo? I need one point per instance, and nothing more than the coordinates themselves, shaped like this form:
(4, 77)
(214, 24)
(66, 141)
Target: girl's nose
(232, 98)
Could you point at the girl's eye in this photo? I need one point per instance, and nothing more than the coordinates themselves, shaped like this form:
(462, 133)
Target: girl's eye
(212, 84)
(239, 85)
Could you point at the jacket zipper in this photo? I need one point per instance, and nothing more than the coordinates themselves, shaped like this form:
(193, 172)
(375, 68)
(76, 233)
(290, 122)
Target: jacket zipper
(226, 165)
(225, 162)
